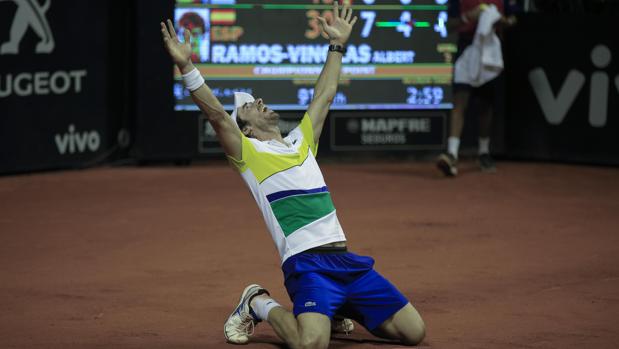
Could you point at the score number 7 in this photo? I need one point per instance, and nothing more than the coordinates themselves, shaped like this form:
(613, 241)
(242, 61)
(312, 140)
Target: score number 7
(369, 17)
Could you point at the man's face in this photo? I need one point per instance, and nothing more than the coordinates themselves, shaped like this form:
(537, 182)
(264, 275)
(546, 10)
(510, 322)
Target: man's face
(257, 115)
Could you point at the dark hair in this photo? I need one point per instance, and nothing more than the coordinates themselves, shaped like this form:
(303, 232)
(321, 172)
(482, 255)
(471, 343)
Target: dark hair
(240, 123)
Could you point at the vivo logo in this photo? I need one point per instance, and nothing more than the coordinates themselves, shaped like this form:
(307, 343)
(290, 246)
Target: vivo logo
(80, 142)
(556, 107)
(29, 14)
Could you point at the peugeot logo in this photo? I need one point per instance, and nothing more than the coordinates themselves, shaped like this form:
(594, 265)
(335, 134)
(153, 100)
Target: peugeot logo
(29, 14)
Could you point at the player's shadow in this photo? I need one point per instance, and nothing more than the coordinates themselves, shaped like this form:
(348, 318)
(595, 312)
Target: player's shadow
(337, 341)
(274, 341)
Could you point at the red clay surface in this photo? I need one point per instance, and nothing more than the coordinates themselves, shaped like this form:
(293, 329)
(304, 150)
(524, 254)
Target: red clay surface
(156, 257)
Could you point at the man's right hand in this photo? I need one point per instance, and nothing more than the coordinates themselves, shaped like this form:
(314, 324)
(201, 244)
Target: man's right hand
(227, 131)
(180, 52)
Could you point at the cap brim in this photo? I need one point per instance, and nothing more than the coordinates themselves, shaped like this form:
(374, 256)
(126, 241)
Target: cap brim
(240, 99)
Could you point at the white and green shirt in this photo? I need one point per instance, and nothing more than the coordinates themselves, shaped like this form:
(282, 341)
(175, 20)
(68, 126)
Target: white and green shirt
(290, 190)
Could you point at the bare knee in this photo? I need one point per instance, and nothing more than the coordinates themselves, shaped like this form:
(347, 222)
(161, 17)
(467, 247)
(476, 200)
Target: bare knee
(405, 326)
(308, 342)
(413, 334)
(314, 342)
(314, 331)
(407, 333)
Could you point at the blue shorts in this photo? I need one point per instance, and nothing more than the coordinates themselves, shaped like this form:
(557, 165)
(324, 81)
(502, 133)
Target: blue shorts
(341, 283)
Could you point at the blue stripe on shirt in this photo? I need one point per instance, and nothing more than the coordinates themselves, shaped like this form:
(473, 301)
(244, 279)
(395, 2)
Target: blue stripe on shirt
(287, 193)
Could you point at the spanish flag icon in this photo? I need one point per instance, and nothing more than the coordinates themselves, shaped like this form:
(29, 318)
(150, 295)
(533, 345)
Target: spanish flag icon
(223, 16)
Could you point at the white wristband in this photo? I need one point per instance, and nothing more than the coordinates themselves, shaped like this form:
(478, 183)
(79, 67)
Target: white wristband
(193, 80)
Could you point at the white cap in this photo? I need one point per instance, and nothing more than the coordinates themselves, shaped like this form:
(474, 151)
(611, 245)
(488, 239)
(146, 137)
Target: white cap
(240, 98)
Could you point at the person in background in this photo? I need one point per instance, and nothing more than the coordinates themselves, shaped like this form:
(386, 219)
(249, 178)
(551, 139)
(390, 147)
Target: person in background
(463, 17)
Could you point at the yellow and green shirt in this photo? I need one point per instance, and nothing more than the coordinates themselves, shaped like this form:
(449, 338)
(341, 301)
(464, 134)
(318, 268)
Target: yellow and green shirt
(288, 186)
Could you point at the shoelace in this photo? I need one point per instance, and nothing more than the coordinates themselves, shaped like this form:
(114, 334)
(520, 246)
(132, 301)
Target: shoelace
(246, 325)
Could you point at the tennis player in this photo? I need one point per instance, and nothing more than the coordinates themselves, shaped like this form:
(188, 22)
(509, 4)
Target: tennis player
(322, 278)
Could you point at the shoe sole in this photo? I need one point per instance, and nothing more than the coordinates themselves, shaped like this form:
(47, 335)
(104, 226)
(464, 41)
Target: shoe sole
(338, 329)
(444, 166)
(243, 295)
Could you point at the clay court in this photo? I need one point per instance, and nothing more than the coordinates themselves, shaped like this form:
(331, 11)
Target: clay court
(156, 257)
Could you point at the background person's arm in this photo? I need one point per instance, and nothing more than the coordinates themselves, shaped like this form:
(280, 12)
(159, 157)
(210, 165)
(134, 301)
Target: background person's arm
(227, 132)
(338, 32)
(457, 18)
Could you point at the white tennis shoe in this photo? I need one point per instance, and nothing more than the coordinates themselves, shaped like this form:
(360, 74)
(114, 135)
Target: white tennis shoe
(240, 324)
(342, 325)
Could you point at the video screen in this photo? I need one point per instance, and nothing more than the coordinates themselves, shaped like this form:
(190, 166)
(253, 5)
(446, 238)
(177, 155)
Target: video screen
(399, 55)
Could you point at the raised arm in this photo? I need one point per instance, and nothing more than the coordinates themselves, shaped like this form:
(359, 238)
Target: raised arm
(338, 32)
(227, 132)
(454, 22)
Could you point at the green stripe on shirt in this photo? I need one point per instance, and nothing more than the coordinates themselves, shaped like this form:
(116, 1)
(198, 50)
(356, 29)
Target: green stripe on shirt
(298, 211)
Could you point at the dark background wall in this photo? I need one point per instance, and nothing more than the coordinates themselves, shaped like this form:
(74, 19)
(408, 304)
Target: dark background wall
(54, 83)
(562, 90)
(89, 83)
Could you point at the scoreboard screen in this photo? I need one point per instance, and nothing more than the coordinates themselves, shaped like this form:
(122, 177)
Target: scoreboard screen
(398, 56)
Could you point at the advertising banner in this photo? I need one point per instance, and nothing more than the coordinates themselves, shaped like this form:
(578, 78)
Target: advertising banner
(563, 89)
(387, 131)
(53, 83)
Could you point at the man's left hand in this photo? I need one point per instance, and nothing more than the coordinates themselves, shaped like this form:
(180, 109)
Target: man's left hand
(340, 27)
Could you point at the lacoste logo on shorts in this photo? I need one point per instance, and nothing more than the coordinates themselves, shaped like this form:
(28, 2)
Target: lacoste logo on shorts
(310, 304)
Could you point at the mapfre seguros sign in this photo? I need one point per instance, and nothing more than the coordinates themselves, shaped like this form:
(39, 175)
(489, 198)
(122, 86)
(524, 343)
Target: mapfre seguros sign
(31, 16)
(415, 130)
